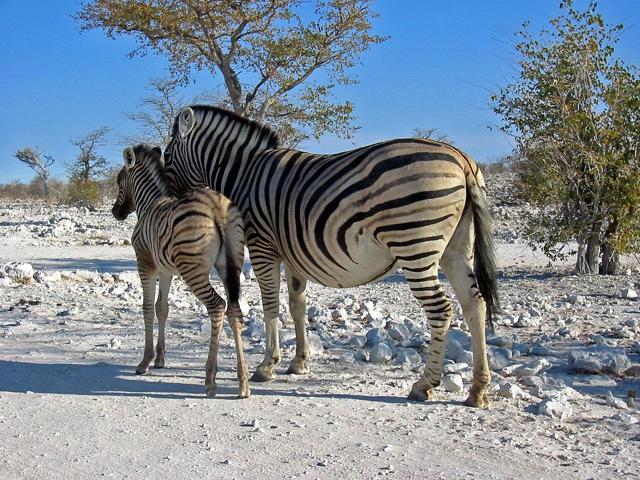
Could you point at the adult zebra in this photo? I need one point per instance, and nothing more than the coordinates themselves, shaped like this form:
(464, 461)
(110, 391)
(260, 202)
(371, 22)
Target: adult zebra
(347, 219)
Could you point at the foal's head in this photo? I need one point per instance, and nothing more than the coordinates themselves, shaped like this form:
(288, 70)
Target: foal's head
(141, 163)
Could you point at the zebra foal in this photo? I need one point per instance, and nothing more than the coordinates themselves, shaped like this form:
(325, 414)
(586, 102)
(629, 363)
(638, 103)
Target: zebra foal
(347, 219)
(186, 237)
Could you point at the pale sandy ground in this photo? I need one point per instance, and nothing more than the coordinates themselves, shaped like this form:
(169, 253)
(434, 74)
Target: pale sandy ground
(71, 407)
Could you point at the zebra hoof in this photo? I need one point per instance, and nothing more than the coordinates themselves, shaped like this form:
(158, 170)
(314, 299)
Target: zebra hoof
(142, 369)
(262, 375)
(479, 400)
(158, 364)
(419, 394)
(211, 390)
(245, 391)
(298, 369)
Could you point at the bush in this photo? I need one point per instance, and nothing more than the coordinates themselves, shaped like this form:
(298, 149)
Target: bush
(83, 192)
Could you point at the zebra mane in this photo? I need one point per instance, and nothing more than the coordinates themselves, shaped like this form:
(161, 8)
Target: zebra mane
(264, 130)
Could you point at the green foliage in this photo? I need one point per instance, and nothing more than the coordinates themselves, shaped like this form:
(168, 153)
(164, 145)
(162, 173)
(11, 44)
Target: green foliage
(279, 62)
(573, 110)
(83, 191)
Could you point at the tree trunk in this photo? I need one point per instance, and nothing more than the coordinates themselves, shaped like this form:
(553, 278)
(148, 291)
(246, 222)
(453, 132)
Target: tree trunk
(610, 258)
(610, 261)
(588, 254)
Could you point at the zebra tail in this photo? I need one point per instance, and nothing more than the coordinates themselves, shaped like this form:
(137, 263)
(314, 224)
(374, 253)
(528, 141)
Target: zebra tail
(484, 253)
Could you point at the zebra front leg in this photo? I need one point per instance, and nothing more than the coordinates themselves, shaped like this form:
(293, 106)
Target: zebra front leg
(425, 286)
(148, 281)
(162, 312)
(297, 306)
(268, 276)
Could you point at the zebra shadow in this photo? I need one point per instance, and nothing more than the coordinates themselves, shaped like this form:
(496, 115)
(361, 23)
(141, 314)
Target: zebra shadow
(114, 380)
(106, 379)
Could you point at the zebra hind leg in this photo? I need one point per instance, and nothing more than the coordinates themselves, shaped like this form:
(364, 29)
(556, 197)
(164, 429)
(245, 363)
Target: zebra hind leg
(459, 272)
(228, 266)
(197, 278)
(148, 280)
(162, 312)
(426, 288)
(297, 306)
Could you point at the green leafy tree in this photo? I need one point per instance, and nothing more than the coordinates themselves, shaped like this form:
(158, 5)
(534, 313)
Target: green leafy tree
(39, 163)
(265, 52)
(573, 111)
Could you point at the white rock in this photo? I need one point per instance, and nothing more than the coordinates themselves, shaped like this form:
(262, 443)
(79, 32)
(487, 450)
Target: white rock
(408, 355)
(452, 383)
(244, 306)
(375, 336)
(465, 357)
(513, 391)
(315, 344)
(381, 353)
(398, 332)
(115, 343)
(532, 368)
(130, 276)
(616, 402)
(559, 409)
(629, 294)
(43, 276)
(527, 321)
(19, 272)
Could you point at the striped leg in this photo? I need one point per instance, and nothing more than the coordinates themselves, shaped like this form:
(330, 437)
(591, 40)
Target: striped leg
(162, 312)
(228, 267)
(268, 276)
(425, 286)
(297, 306)
(148, 276)
(197, 278)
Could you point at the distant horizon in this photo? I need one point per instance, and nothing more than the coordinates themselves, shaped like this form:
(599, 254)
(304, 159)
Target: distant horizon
(437, 70)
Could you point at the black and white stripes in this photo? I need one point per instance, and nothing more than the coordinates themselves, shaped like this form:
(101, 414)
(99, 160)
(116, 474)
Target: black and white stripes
(186, 237)
(346, 219)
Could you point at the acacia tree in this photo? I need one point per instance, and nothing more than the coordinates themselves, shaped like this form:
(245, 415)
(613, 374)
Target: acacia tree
(89, 167)
(433, 134)
(39, 163)
(157, 112)
(265, 51)
(573, 111)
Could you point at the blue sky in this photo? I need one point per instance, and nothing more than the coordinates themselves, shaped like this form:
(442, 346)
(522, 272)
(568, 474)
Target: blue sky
(437, 69)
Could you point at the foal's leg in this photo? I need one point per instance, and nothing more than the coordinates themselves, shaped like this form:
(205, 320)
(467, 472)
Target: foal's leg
(162, 312)
(148, 276)
(196, 276)
(229, 266)
(297, 306)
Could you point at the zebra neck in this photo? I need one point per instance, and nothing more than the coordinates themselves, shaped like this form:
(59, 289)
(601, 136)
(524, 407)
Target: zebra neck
(148, 187)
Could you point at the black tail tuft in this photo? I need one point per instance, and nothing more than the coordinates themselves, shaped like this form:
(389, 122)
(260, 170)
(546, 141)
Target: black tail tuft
(484, 253)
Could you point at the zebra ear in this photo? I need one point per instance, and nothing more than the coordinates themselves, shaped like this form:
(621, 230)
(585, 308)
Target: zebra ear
(186, 122)
(129, 157)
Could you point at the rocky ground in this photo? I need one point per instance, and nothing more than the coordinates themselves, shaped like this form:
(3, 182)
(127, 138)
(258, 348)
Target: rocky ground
(564, 359)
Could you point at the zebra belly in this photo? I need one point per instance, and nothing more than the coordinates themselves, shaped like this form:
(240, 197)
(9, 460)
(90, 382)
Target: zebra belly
(368, 260)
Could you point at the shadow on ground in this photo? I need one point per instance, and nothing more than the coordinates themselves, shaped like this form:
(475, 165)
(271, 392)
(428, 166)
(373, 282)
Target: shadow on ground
(97, 264)
(106, 379)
